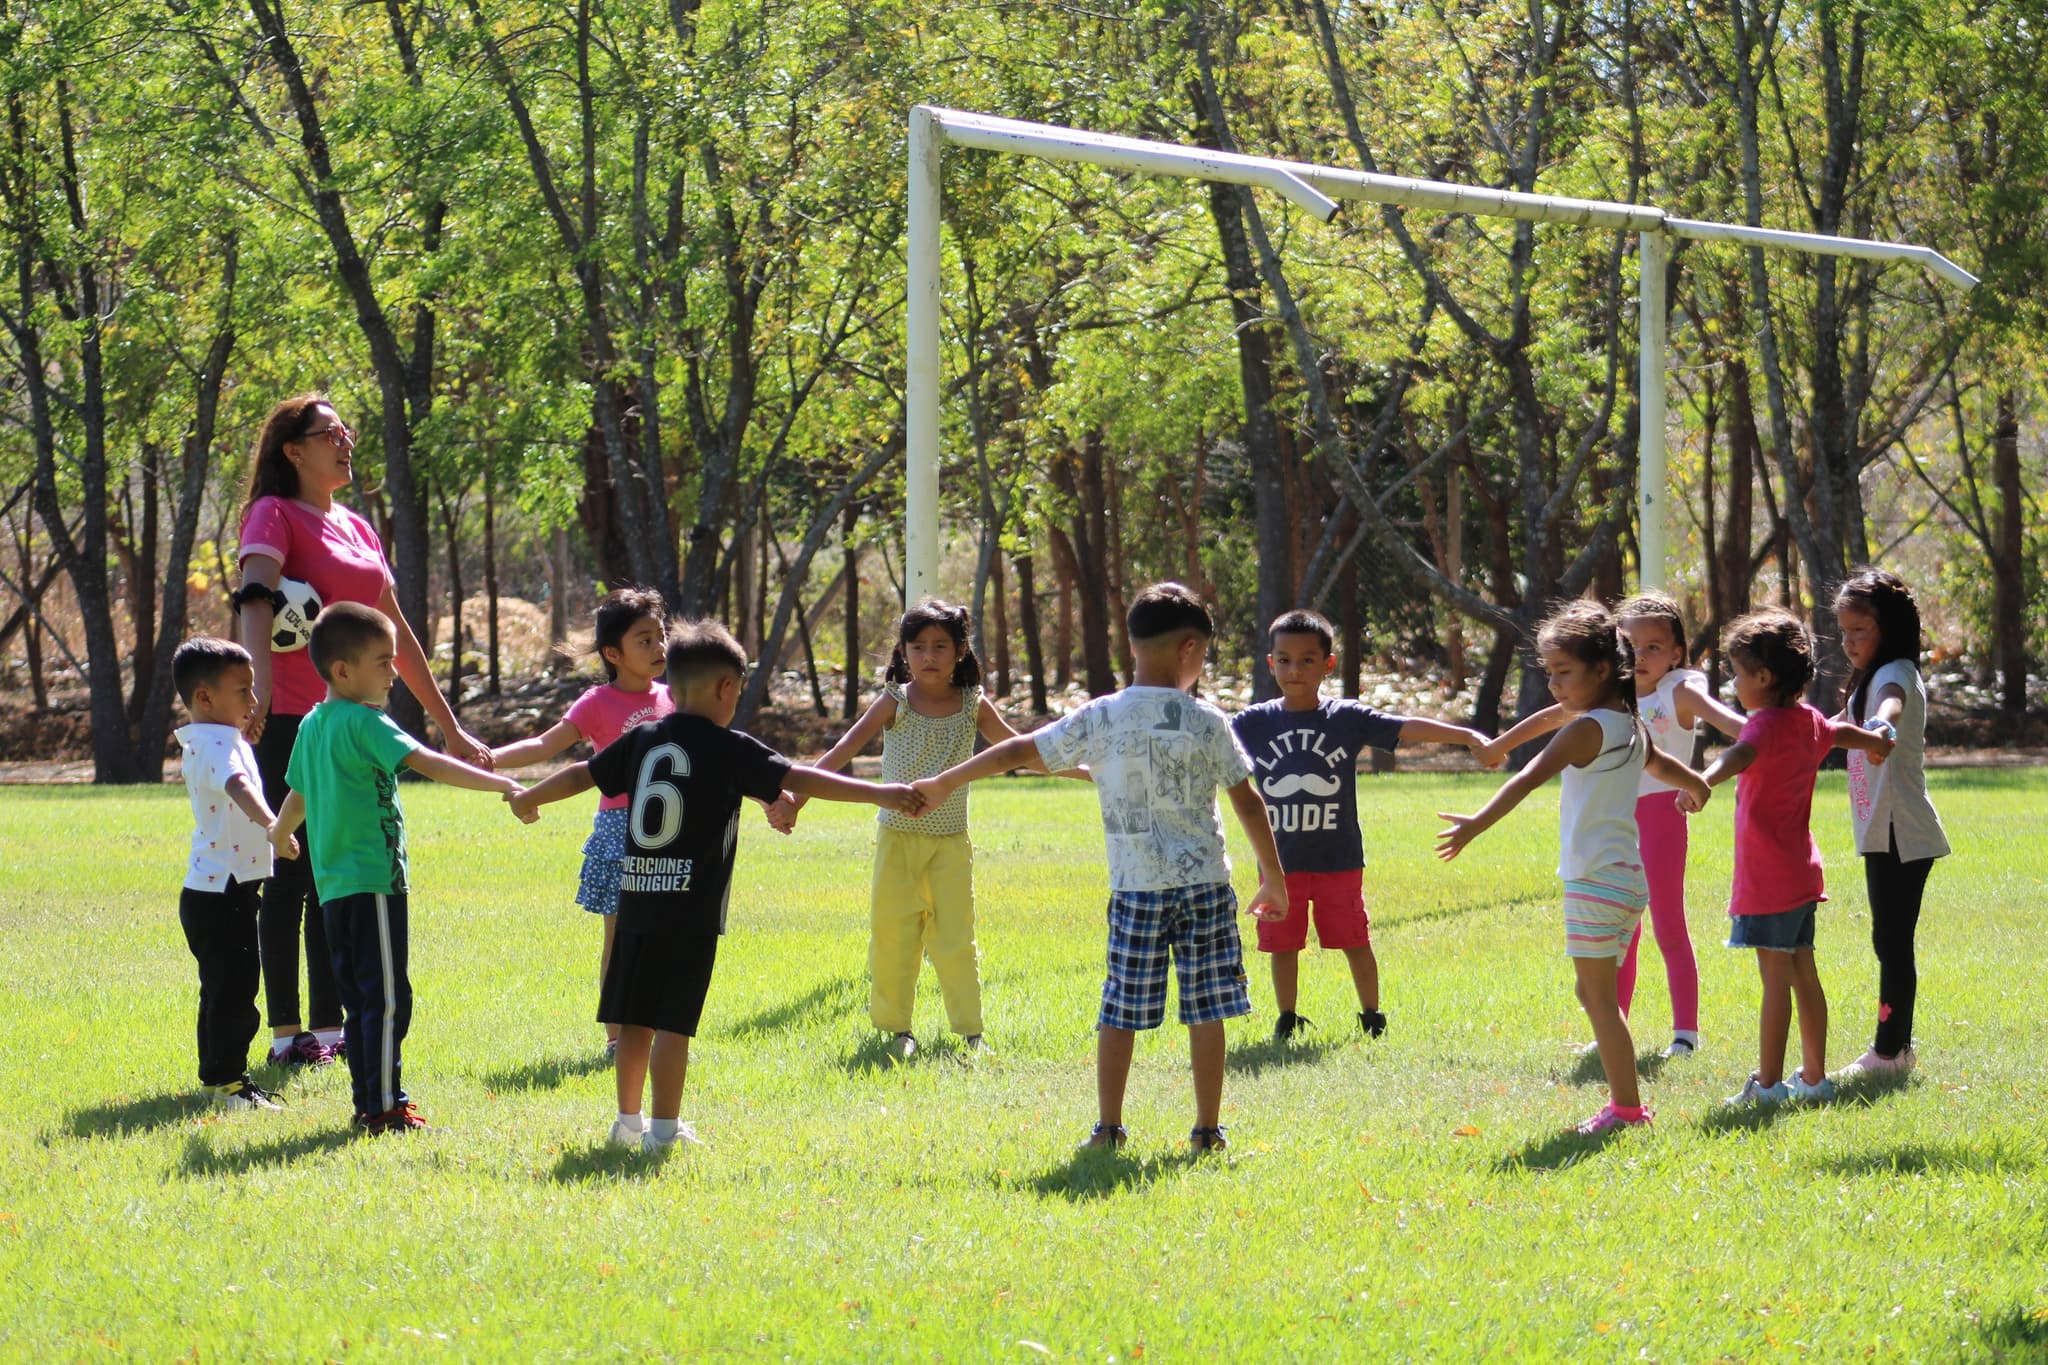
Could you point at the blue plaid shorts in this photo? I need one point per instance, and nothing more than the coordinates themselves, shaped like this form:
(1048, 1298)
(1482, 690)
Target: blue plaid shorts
(1199, 925)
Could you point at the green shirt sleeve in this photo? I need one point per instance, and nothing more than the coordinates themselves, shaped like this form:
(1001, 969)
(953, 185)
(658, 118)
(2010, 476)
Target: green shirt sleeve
(383, 740)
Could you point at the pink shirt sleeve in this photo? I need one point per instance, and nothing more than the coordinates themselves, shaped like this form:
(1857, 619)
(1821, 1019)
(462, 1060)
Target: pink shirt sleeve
(266, 531)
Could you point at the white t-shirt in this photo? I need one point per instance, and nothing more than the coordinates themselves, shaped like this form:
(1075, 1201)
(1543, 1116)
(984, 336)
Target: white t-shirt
(225, 842)
(1888, 800)
(1659, 711)
(1158, 755)
(1596, 811)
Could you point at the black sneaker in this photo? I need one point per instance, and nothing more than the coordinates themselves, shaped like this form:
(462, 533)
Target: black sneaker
(1288, 1024)
(1372, 1023)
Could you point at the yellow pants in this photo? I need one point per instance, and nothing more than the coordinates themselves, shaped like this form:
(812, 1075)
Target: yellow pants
(923, 906)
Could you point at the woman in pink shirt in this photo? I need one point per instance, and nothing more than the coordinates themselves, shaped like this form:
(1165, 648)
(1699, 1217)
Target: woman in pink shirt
(293, 528)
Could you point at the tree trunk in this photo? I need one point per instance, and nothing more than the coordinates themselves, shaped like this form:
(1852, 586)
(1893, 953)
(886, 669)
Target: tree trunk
(2008, 563)
(558, 590)
(1027, 615)
(491, 581)
(849, 522)
(1000, 645)
(450, 514)
(1063, 627)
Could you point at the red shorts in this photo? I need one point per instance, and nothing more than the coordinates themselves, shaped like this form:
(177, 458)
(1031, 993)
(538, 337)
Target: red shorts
(1339, 900)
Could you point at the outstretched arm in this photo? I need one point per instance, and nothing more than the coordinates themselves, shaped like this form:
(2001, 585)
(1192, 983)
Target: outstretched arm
(995, 728)
(573, 780)
(1494, 752)
(808, 782)
(1269, 902)
(1730, 763)
(1577, 743)
(1878, 745)
(1422, 730)
(1019, 751)
(1672, 773)
(455, 773)
(556, 739)
(1696, 704)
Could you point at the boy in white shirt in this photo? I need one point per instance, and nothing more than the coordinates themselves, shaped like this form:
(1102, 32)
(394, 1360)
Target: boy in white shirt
(1158, 755)
(230, 860)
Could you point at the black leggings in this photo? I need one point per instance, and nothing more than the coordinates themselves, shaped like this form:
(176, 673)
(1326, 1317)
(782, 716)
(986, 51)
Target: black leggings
(1895, 889)
(289, 899)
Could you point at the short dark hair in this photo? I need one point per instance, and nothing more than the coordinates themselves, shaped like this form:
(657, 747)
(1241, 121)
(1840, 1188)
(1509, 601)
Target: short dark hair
(702, 648)
(201, 660)
(1303, 622)
(1776, 640)
(1166, 609)
(955, 621)
(616, 615)
(343, 630)
(1655, 606)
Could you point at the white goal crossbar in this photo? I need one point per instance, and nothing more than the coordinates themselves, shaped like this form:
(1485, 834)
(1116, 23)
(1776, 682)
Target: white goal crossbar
(1317, 190)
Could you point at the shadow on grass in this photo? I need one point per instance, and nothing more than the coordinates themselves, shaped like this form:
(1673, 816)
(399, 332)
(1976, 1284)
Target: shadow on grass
(202, 1158)
(606, 1161)
(1555, 1151)
(824, 1002)
(1273, 1056)
(1860, 1092)
(548, 1074)
(872, 1054)
(1998, 1155)
(1097, 1173)
(2020, 1329)
(136, 1116)
(1586, 1068)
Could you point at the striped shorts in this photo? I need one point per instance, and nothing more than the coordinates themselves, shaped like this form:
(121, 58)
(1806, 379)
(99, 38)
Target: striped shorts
(1603, 909)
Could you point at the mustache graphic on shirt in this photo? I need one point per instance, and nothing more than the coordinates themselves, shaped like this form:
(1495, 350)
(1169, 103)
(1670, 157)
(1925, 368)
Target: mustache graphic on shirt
(1280, 788)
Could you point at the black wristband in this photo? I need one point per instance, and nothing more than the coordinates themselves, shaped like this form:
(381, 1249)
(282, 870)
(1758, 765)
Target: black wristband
(256, 592)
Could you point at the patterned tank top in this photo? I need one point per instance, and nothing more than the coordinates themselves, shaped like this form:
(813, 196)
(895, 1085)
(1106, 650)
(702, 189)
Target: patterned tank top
(916, 746)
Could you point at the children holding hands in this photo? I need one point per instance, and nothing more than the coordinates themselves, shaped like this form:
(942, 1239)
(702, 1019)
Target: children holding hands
(1304, 748)
(1158, 756)
(1601, 752)
(684, 776)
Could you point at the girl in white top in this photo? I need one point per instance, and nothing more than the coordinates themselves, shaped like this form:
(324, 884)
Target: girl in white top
(1897, 830)
(1673, 701)
(1602, 750)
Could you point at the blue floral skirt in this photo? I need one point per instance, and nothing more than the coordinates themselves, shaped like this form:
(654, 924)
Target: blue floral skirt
(598, 891)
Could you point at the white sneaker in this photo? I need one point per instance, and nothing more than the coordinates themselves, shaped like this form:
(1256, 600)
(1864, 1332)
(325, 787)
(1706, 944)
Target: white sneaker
(243, 1094)
(1680, 1047)
(1872, 1064)
(1755, 1092)
(624, 1134)
(1810, 1094)
(902, 1047)
(686, 1136)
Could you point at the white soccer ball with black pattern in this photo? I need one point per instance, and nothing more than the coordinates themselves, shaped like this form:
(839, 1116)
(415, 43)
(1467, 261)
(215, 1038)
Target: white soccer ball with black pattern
(292, 625)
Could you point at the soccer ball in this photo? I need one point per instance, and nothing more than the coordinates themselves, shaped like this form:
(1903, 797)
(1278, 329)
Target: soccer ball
(292, 626)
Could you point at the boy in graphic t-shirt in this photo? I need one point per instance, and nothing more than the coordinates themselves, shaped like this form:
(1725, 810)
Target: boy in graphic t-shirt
(344, 780)
(686, 773)
(1158, 756)
(1305, 748)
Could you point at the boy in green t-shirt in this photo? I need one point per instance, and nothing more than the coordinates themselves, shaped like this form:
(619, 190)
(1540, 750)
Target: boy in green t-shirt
(344, 785)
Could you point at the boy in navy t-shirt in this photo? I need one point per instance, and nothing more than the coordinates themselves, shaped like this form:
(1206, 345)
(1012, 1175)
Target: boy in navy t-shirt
(686, 773)
(1304, 750)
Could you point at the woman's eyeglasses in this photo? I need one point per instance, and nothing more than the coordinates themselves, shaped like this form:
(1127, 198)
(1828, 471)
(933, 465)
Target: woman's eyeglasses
(340, 435)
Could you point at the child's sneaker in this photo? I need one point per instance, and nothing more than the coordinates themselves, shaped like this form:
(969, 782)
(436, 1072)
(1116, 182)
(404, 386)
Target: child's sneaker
(304, 1050)
(902, 1047)
(1610, 1117)
(1372, 1023)
(1680, 1047)
(624, 1134)
(1873, 1063)
(977, 1045)
(1755, 1092)
(243, 1094)
(1810, 1094)
(1288, 1024)
(1203, 1141)
(685, 1136)
(1110, 1135)
(403, 1119)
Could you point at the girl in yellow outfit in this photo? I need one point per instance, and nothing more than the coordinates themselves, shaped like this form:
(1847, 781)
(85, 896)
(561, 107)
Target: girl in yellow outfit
(930, 710)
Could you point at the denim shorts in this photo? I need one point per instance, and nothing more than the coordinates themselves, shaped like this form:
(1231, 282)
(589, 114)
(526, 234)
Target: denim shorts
(1785, 932)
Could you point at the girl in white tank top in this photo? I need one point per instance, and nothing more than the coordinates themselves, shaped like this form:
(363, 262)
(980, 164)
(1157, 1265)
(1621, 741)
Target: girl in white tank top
(1601, 751)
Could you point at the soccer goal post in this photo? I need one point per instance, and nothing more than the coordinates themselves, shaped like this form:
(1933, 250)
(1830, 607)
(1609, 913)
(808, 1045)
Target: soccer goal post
(1318, 190)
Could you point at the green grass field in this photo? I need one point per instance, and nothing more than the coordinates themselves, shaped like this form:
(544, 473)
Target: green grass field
(1408, 1198)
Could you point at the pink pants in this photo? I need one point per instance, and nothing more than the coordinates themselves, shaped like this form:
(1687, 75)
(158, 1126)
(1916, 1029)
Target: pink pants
(1660, 829)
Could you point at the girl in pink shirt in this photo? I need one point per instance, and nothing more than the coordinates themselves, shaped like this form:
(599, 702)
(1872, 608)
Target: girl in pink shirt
(1778, 886)
(631, 640)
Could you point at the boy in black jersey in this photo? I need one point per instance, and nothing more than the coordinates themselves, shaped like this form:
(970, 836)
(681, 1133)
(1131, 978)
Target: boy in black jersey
(686, 773)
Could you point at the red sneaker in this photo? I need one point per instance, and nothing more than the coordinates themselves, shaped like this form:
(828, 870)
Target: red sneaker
(306, 1050)
(404, 1119)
